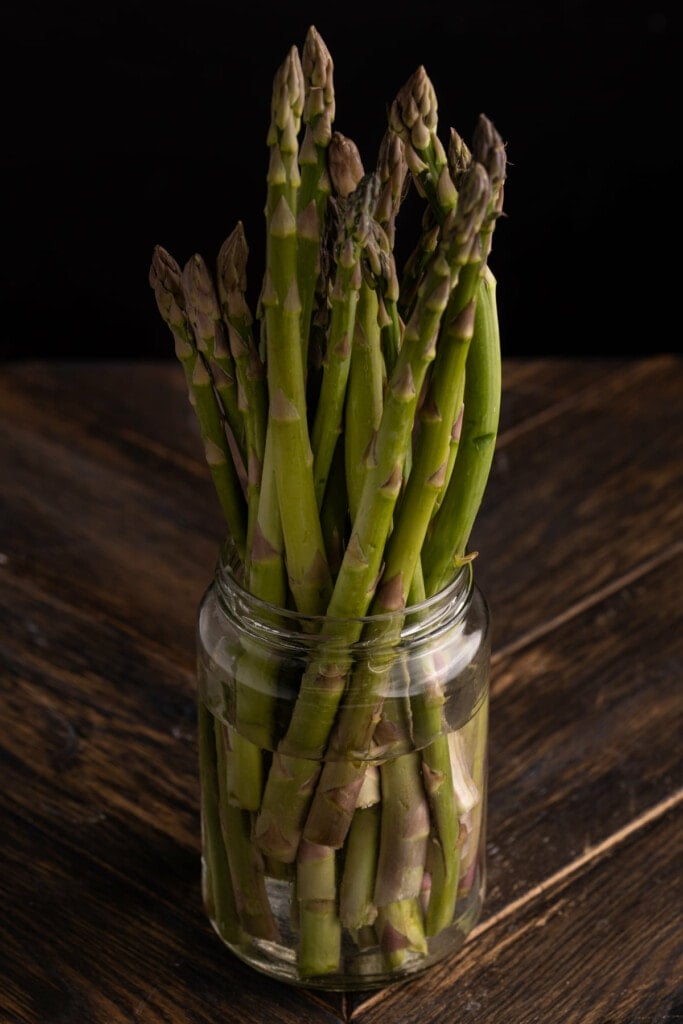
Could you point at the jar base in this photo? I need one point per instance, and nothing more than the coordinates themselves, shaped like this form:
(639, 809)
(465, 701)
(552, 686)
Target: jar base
(362, 969)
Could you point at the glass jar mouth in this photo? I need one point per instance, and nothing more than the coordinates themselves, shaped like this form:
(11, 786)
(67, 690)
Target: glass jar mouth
(413, 622)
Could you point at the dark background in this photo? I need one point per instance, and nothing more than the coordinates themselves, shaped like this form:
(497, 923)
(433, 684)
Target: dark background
(135, 123)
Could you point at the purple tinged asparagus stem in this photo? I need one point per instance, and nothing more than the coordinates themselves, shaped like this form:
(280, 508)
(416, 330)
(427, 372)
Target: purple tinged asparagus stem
(165, 279)
(364, 401)
(459, 323)
(404, 835)
(413, 117)
(404, 830)
(204, 312)
(380, 271)
(400, 929)
(392, 168)
(449, 532)
(255, 680)
(252, 399)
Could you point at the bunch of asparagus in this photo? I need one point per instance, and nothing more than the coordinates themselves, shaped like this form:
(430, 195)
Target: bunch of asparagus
(349, 437)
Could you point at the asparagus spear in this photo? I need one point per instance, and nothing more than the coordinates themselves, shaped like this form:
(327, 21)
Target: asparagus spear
(346, 166)
(392, 168)
(307, 568)
(381, 272)
(364, 402)
(357, 908)
(165, 278)
(446, 543)
(246, 864)
(210, 333)
(252, 399)
(318, 115)
(327, 424)
(319, 925)
(413, 116)
(219, 894)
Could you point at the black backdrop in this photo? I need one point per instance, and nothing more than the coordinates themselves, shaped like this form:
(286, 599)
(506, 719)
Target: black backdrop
(134, 123)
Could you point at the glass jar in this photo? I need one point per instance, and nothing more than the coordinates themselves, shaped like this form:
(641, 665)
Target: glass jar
(343, 783)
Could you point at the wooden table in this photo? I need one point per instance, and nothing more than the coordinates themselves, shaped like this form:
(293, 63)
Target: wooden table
(108, 535)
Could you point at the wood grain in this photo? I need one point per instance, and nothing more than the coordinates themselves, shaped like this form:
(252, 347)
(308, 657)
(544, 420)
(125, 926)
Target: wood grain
(591, 493)
(600, 947)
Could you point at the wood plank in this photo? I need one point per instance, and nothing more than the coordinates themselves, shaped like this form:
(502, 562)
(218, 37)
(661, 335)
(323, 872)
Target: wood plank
(84, 944)
(126, 402)
(602, 946)
(571, 505)
(121, 534)
(532, 388)
(100, 766)
(112, 727)
(146, 402)
(585, 730)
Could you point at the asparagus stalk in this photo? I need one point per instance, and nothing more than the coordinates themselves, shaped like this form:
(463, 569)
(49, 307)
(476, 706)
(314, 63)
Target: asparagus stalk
(445, 546)
(323, 683)
(404, 831)
(392, 168)
(413, 116)
(210, 333)
(357, 908)
(165, 278)
(381, 271)
(327, 425)
(360, 568)
(255, 677)
(319, 925)
(364, 401)
(246, 863)
(401, 930)
(219, 894)
(252, 399)
(307, 568)
(318, 115)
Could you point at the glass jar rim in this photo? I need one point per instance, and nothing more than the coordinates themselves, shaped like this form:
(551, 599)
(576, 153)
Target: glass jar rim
(445, 606)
